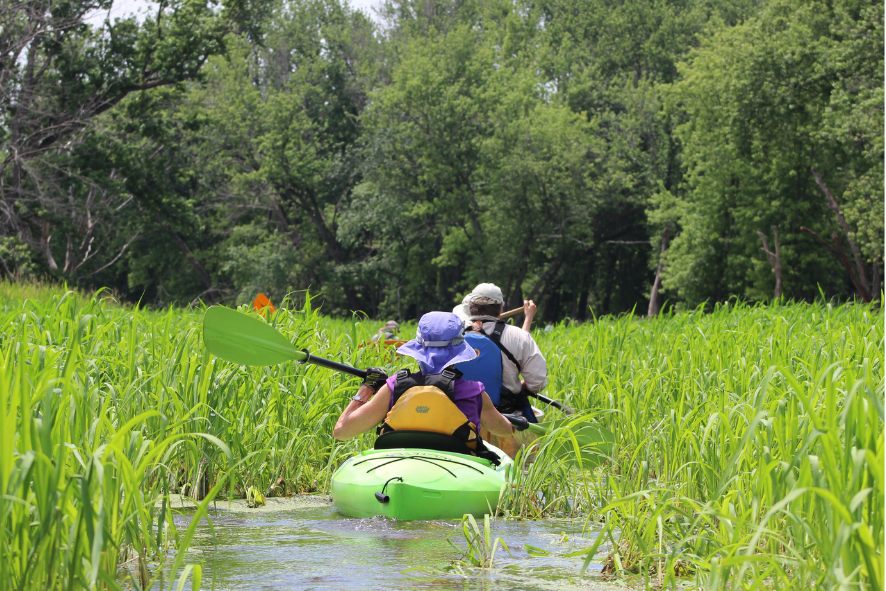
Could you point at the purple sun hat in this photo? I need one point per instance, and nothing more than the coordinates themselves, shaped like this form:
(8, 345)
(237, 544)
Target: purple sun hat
(439, 343)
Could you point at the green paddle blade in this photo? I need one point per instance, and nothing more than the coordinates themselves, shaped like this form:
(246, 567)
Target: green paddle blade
(537, 429)
(242, 339)
(594, 443)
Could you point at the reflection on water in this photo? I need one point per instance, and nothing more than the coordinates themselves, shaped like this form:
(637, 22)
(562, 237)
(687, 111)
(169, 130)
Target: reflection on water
(315, 547)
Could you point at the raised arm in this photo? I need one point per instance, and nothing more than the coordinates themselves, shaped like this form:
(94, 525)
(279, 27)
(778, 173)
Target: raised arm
(529, 309)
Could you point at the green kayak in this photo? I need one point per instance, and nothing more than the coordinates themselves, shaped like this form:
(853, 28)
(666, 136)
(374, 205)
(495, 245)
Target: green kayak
(418, 484)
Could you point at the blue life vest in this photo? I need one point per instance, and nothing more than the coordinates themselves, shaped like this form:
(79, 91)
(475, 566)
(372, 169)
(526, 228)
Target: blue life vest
(486, 367)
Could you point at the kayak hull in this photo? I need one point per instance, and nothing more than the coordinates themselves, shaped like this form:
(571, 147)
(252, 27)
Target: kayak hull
(418, 484)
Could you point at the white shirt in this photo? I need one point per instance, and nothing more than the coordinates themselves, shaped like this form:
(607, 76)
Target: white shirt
(524, 349)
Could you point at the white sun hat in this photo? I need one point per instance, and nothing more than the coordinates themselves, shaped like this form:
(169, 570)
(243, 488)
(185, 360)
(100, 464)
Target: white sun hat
(484, 294)
(461, 310)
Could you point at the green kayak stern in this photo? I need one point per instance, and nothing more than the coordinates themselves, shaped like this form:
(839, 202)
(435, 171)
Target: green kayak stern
(418, 484)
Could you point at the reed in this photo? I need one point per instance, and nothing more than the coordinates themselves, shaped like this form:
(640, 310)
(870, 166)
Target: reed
(108, 410)
(481, 547)
(748, 451)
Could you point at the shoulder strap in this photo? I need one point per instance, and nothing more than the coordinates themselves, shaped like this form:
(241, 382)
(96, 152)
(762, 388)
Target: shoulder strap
(445, 381)
(403, 383)
(495, 337)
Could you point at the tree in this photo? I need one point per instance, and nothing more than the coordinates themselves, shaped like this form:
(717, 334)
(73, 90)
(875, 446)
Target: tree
(57, 74)
(281, 128)
(758, 110)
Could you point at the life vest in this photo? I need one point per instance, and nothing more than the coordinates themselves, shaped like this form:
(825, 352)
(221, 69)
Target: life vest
(425, 415)
(486, 368)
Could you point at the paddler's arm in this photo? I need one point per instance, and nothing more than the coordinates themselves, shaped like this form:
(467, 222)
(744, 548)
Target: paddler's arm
(360, 417)
(492, 420)
(529, 309)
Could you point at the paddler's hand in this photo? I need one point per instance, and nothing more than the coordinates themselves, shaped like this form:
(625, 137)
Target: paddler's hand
(519, 423)
(375, 378)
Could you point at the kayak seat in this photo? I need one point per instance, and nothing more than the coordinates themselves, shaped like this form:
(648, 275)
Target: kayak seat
(431, 441)
(422, 440)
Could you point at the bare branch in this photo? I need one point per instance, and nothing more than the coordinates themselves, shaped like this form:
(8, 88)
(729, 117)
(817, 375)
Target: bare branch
(654, 305)
(774, 258)
(116, 258)
(565, 237)
(856, 254)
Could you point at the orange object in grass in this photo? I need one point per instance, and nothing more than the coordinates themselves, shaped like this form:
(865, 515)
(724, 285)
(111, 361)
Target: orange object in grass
(261, 302)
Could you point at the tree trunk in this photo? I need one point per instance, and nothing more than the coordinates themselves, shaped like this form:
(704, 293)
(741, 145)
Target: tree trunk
(654, 303)
(542, 284)
(307, 201)
(856, 254)
(837, 250)
(774, 259)
(45, 247)
(860, 282)
(515, 297)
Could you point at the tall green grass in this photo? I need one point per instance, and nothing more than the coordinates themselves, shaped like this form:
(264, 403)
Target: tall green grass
(108, 410)
(749, 441)
(749, 445)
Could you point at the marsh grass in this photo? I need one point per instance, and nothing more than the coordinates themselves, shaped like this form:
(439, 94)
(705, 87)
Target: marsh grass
(481, 547)
(109, 409)
(748, 448)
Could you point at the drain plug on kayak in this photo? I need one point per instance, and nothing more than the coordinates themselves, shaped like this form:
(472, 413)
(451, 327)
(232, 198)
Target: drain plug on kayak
(381, 497)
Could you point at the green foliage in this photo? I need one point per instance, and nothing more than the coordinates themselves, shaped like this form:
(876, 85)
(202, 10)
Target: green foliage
(109, 410)
(547, 147)
(762, 104)
(260, 262)
(59, 75)
(748, 441)
(16, 258)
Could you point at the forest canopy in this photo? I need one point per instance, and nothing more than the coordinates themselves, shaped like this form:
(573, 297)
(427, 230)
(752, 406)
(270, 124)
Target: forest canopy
(598, 156)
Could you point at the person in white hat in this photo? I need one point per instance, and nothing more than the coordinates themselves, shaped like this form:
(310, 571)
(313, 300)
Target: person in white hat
(388, 332)
(463, 309)
(519, 353)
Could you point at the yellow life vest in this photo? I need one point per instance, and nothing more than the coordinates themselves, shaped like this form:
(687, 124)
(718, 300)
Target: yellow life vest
(425, 405)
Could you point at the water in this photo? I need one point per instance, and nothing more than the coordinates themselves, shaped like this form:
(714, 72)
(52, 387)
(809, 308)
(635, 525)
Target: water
(307, 544)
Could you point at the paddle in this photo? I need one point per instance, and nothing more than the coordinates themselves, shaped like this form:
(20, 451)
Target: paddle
(246, 340)
(558, 405)
(594, 443)
(535, 428)
(509, 313)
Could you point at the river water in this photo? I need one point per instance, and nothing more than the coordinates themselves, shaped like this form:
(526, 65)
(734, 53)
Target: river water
(305, 543)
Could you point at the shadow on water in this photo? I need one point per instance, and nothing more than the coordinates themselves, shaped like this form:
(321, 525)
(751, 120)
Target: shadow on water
(314, 547)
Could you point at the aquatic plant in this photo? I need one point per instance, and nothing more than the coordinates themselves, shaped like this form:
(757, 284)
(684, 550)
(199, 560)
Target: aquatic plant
(108, 410)
(481, 548)
(748, 448)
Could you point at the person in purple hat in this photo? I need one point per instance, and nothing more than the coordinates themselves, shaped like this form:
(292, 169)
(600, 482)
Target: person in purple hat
(436, 399)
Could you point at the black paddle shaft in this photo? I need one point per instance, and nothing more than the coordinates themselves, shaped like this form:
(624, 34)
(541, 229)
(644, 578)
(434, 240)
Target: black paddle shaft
(333, 365)
(551, 401)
